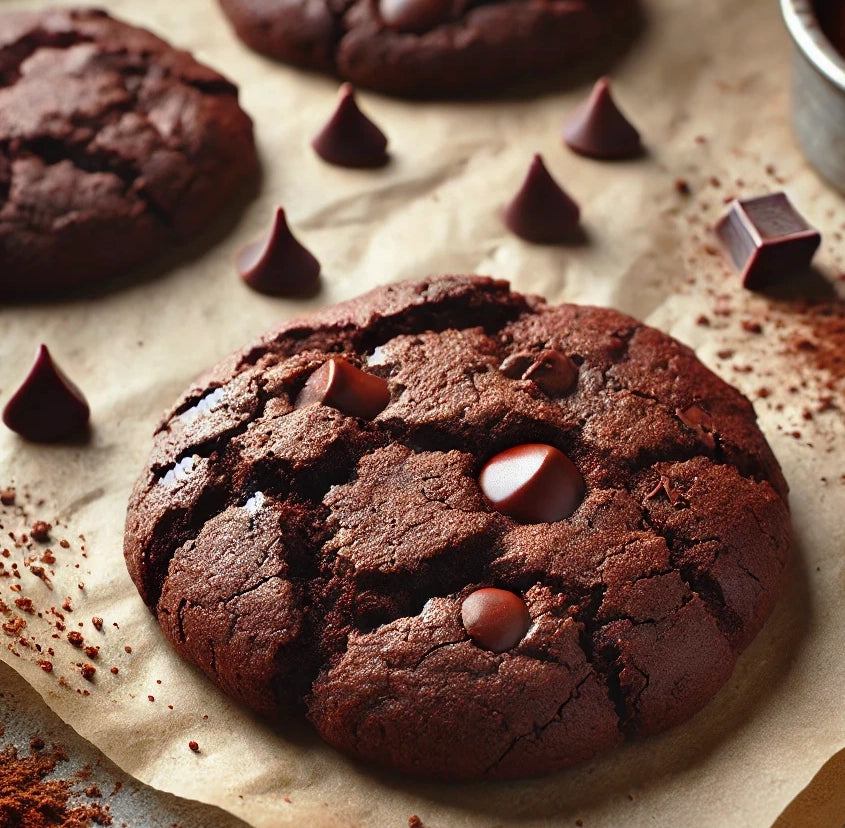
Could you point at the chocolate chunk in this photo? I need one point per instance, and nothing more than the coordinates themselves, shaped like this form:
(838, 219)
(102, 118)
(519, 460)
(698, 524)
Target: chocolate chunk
(347, 388)
(350, 138)
(700, 421)
(495, 619)
(47, 407)
(553, 372)
(668, 488)
(598, 129)
(541, 212)
(532, 483)
(767, 239)
(277, 264)
(415, 16)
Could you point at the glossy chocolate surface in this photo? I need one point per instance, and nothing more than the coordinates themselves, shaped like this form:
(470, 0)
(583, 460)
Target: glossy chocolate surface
(495, 619)
(598, 129)
(349, 389)
(350, 138)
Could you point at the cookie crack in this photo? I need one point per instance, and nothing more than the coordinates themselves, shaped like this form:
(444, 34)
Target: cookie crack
(14, 55)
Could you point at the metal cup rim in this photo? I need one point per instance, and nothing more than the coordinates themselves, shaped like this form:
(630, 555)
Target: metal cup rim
(803, 26)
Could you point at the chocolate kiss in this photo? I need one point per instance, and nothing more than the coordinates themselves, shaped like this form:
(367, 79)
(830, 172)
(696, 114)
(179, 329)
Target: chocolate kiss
(346, 388)
(277, 264)
(598, 129)
(532, 483)
(495, 618)
(350, 138)
(47, 407)
(414, 15)
(541, 212)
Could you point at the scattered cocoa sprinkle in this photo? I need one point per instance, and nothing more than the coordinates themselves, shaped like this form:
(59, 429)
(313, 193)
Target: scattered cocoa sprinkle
(25, 605)
(92, 651)
(682, 186)
(48, 557)
(751, 326)
(66, 605)
(714, 182)
(36, 743)
(703, 321)
(41, 573)
(127, 649)
(76, 638)
(97, 622)
(46, 666)
(14, 625)
(194, 746)
(287, 799)
(725, 353)
(28, 798)
(151, 698)
(763, 392)
(93, 792)
(414, 821)
(88, 671)
(64, 544)
(7, 496)
(40, 531)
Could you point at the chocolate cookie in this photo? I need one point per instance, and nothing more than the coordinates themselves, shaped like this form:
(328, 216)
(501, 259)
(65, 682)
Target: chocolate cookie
(471, 534)
(113, 145)
(430, 48)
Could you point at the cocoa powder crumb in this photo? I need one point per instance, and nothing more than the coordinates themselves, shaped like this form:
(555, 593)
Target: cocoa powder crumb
(7, 496)
(194, 746)
(414, 821)
(64, 544)
(127, 649)
(76, 638)
(40, 531)
(97, 622)
(88, 671)
(92, 652)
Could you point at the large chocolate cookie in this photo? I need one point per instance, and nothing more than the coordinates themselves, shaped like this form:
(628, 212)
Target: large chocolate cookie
(430, 47)
(374, 558)
(112, 146)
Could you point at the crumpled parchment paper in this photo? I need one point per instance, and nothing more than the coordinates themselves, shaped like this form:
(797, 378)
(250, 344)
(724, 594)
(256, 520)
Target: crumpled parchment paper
(707, 83)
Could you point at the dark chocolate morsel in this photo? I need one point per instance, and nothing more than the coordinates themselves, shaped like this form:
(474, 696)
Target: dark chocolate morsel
(495, 619)
(516, 365)
(350, 138)
(700, 421)
(415, 16)
(767, 239)
(541, 212)
(343, 386)
(47, 407)
(277, 264)
(532, 483)
(598, 129)
(553, 372)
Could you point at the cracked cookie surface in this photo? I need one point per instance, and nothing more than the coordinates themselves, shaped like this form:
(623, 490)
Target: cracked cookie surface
(430, 48)
(113, 145)
(310, 560)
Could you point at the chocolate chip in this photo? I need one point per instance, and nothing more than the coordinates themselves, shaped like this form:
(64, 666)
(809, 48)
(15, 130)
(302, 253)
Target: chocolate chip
(495, 619)
(350, 138)
(415, 16)
(532, 483)
(598, 129)
(516, 365)
(343, 386)
(541, 212)
(553, 372)
(767, 239)
(277, 264)
(47, 407)
(700, 421)
(667, 487)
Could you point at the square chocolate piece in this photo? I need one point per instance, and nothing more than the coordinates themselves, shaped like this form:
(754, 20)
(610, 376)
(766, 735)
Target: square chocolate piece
(767, 239)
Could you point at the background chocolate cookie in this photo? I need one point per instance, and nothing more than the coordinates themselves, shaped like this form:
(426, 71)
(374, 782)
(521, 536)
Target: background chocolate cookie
(430, 47)
(346, 555)
(112, 145)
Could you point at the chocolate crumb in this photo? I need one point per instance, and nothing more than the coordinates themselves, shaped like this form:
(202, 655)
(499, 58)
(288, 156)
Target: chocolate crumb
(414, 822)
(114, 671)
(40, 531)
(682, 186)
(194, 746)
(76, 638)
(88, 671)
(97, 622)
(36, 743)
(7, 496)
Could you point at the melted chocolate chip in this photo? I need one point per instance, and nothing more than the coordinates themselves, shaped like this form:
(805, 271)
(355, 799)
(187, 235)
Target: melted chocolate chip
(700, 421)
(553, 372)
(343, 386)
(598, 129)
(541, 212)
(516, 365)
(767, 239)
(350, 138)
(666, 486)
(47, 407)
(415, 16)
(278, 264)
(532, 483)
(495, 618)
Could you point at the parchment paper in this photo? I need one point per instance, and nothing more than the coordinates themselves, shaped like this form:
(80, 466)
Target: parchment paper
(707, 83)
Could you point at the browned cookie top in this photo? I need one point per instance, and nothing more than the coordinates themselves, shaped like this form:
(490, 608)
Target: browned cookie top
(302, 555)
(428, 48)
(112, 143)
